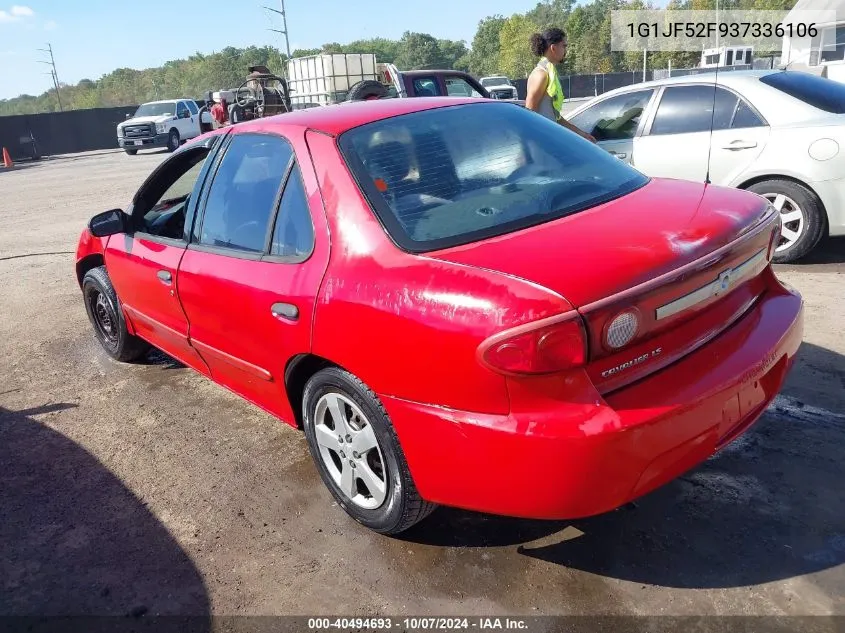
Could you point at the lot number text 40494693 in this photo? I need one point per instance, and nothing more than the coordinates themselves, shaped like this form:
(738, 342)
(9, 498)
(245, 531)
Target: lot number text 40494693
(418, 624)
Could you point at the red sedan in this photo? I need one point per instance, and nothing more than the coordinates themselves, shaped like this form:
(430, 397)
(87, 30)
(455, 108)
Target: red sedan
(459, 302)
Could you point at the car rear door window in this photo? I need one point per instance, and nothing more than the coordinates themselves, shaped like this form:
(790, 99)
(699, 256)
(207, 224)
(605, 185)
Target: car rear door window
(745, 116)
(192, 106)
(242, 197)
(293, 235)
(687, 109)
(616, 118)
(457, 87)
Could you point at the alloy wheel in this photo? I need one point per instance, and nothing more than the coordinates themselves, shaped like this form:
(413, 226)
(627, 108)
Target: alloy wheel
(793, 222)
(350, 451)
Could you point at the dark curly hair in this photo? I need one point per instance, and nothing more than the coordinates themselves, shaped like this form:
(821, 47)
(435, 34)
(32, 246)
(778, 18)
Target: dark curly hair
(540, 42)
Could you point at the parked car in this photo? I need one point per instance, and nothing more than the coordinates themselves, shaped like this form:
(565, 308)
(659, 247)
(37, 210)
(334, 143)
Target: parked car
(459, 301)
(499, 87)
(161, 124)
(778, 134)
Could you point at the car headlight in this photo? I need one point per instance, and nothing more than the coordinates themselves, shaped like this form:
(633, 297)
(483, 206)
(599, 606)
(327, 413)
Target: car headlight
(120, 132)
(161, 128)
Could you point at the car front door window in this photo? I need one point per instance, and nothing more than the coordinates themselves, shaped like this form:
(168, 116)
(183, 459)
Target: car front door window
(616, 118)
(457, 87)
(426, 87)
(242, 197)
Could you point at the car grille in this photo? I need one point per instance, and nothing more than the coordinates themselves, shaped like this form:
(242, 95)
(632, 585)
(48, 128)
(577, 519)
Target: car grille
(139, 131)
(502, 94)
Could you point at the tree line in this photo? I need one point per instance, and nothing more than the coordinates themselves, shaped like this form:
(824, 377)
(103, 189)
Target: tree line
(500, 46)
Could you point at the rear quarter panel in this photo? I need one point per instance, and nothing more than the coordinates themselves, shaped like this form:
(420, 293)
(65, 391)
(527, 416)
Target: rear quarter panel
(409, 326)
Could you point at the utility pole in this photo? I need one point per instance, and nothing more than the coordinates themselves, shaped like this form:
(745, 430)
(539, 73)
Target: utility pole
(53, 73)
(284, 29)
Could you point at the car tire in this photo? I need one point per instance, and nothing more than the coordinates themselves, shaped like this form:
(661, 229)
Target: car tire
(131, 152)
(802, 215)
(106, 316)
(173, 140)
(366, 90)
(401, 505)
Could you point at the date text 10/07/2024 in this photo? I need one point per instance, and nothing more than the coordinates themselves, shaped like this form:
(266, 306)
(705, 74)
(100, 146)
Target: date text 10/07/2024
(418, 624)
(723, 29)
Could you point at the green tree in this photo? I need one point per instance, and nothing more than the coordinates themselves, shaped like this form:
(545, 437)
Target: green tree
(418, 50)
(515, 57)
(484, 56)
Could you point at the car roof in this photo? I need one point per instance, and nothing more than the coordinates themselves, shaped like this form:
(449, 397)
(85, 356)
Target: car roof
(167, 100)
(337, 119)
(724, 78)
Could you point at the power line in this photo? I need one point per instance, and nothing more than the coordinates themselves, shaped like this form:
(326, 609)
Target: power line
(53, 72)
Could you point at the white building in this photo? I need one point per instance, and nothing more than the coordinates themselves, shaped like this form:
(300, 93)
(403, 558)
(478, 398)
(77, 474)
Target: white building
(726, 56)
(823, 54)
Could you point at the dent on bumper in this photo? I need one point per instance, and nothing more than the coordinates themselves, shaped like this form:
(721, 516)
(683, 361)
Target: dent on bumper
(577, 459)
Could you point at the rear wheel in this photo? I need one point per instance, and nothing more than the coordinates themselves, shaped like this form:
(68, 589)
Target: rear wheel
(358, 454)
(801, 214)
(103, 308)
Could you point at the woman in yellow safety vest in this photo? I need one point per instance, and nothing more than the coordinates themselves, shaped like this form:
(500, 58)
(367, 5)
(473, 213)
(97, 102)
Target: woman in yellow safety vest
(545, 94)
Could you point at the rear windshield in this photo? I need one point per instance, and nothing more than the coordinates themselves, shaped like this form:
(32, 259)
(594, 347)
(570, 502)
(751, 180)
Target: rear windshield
(454, 175)
(821, 93)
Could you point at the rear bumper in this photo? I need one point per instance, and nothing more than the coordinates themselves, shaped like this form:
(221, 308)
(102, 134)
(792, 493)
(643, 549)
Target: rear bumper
(832, 195)
(159, 140)
(579, 454)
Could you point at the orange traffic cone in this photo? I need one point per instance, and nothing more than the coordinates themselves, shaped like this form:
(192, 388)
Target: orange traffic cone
(7, 160)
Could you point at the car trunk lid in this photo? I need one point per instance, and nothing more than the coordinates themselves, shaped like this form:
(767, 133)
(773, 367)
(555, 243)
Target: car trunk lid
(684, 258)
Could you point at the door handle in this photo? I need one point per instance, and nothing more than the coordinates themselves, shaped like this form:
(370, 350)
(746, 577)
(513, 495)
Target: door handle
(740, 145)
(164, 277)
(286, 311)
(620, 154)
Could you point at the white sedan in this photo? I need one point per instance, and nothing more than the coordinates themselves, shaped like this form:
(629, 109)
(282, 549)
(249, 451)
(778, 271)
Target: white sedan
(780, 134)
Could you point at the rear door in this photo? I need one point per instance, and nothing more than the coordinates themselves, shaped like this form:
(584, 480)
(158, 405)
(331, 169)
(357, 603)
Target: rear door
(250, 276)
(615, 121)
(143, 265)
(677, 142)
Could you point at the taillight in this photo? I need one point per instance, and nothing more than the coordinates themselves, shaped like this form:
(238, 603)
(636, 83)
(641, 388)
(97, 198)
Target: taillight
(546, 346)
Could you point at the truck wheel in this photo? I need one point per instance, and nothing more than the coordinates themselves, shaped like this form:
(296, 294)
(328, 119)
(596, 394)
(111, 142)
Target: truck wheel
(366, 90)
(131, 152)
(173, 141)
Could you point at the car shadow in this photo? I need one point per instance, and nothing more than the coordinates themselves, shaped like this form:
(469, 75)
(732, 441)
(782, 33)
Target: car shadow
(77, 541)
(768, 507)
(830, 251)
(156, 357)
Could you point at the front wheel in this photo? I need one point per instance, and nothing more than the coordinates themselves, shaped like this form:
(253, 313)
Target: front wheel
(103, 308)
(173, 141)
(358, 454)
(131, 152)
(802, 217)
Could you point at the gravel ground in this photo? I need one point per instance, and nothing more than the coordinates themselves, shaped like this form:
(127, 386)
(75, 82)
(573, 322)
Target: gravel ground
(146, 489)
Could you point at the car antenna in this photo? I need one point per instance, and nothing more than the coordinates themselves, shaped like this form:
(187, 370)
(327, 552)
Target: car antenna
(713, 111)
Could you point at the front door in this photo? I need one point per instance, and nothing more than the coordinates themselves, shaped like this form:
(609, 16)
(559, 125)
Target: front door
(184, 121)
(249, 278)
(143, 266)
(615, 121)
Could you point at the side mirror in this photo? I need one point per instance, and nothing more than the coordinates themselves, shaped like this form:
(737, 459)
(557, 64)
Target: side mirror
(109, 223)
(128, 116)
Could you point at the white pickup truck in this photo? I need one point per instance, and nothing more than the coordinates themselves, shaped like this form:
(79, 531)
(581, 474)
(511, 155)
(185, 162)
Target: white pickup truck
(499, 87)
(161, 124)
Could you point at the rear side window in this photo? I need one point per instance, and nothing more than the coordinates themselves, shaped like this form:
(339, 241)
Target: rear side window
(821, 93)
(192, 106)
(293, 235)
(457, 174)
(426, 87)
(687, 109)
(243, 195)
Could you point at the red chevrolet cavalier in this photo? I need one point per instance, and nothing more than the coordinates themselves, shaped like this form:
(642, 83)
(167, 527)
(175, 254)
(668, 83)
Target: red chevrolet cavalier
(459, 301)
